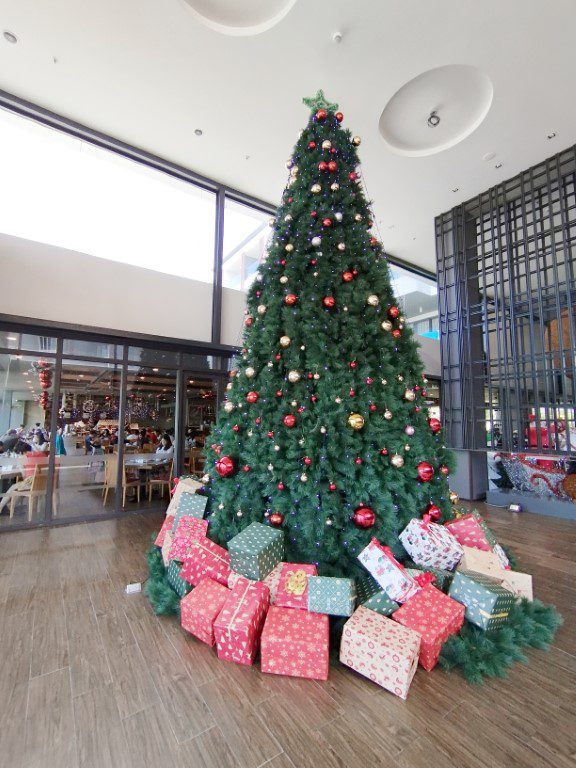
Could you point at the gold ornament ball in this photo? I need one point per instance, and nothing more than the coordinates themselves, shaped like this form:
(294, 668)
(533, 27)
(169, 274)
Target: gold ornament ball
(288, 217)
(358, 217)
(285, 341)
(397, 461)
(289, 247)
(249, 372)
(454, 498)
(205, 478)
(315, 188)
(303, 477)
(335, 187)
(338, 400)
(386, 325)
(283, 279)
(326, 144)
(294, 403)
(294, 170)
(261, 309)
(372, 300)
(410, 395)
(341, 246)
(356, 421)
(228, 406)
(229, 386)
(387, 415)
(316, 376)
(356, 141)
(293, 377)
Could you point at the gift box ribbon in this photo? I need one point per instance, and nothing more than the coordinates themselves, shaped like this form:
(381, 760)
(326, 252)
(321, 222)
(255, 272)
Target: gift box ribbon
(488, 615)
(236, 611)
(214, 554)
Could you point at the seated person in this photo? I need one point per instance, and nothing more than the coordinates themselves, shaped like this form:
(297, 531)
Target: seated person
(165, 447)
(39, 442)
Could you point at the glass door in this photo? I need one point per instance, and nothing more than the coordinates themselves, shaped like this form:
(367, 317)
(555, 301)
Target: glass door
(199, 414)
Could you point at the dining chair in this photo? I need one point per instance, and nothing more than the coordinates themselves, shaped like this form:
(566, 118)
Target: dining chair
(33, 492)
(196, 461)
(161, 482)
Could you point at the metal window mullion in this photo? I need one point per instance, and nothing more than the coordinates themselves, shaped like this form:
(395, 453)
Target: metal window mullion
(50, 482)
(121, 419)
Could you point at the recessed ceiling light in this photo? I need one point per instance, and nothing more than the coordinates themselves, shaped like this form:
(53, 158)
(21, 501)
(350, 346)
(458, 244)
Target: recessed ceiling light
(498, 165)
(10, 37)
(198, 132)
(11, 338)
(551, 135)
(155, 370)
(456, 189)
(489, 156)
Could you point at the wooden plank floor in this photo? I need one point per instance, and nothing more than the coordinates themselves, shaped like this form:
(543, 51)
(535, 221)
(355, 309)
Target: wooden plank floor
(91, 678)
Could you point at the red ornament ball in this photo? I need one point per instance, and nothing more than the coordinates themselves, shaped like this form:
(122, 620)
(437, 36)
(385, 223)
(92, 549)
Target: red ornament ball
(444, 469)
(322, 165)
(313, 399)
(329, 302)
(246, 468)
(301, 409)
(357, 460)
(283, 262)
(364, 517)
(373, 241)
(279, 393)
(276, 518)
(435, 425)
(347, 277)
(236, 428)
(290, 299)
(278, 356)
(314, 214)
(332, 486)
(312, 145)
(369, 380)
(289, 420)
(248, 321)
(339, 116)
(280, 486)
(270, 433)
(425, 471)
(396, 333)
(393, 312)
(313, 262)
(352, 393)
(332, 165)
(353, 176)
(225, 466)
(373, 406)
(307, 460)
(353, 364)
(252, 397)
(384, 451)
(326, 222)
(257, 420)
(434, 512)
(321, 114)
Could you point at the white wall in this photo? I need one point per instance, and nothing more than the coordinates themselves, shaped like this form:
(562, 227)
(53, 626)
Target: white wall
(50, 283)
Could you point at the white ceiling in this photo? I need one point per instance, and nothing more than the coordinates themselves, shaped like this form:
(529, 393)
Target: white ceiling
(149, 72)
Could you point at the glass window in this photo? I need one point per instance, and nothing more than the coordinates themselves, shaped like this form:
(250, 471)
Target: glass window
(93, 349)
(246, 233)
(26, 401)
(199, 416)
(418, 297)
(153, 357)
(26, 341)
(63, 191)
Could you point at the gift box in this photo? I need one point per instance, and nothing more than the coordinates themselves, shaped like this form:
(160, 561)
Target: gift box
(166, 526)
(330, 594)
(272, 581)
(189, 505)
(480, 561)
(520, 584)
(166, 547)
(442, 577)
(292, 590)
(178, 584)
(185, 485)
(428, 543)
(492, 542)
(206, 559)
(487, 602)
(434, 616)
(380, 649)
(200, 608)
(239, 624)
(502, 556)
(189, 530)
(256, 550)
(388, 572)
(371, 595)
(295, 643)
(468, 532)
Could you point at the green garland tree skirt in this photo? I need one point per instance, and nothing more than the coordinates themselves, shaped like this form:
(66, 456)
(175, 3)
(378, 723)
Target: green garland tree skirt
(476, 654)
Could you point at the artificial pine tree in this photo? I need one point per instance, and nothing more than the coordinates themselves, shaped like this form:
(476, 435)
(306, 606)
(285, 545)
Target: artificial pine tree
(325, 431)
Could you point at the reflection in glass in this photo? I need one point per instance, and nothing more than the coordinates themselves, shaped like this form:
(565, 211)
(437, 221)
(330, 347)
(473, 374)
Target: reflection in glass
(246, 233)
(200, 415)
(418, 298)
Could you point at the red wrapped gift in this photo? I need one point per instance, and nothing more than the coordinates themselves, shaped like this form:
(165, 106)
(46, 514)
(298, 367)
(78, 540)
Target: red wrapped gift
(200, 608)
(239, 624)
(468, 532)
(292, 589)
(166, 526)
(273, 580)
(205, 559)
(434, 616)
(295, 643)
(189, 530)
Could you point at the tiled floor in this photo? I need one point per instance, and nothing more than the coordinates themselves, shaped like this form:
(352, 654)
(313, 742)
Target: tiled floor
(90, 677)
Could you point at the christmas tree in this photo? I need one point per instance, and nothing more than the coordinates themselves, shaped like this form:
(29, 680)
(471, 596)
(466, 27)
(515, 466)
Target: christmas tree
(325, 431)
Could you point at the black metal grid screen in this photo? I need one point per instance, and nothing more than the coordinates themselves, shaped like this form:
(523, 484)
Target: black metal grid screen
(507, 290)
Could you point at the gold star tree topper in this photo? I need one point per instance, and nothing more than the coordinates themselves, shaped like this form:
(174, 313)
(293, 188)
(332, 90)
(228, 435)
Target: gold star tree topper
(320, 102)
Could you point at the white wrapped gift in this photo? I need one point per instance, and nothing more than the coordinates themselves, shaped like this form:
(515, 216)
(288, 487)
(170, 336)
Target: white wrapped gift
(430, 544)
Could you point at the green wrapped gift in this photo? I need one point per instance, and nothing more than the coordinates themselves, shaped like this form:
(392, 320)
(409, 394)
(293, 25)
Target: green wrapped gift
(330, 594)
(371, 595)
(176, 581)
(189, 505)
(256, 550)
(487, 602)
(442, 578)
